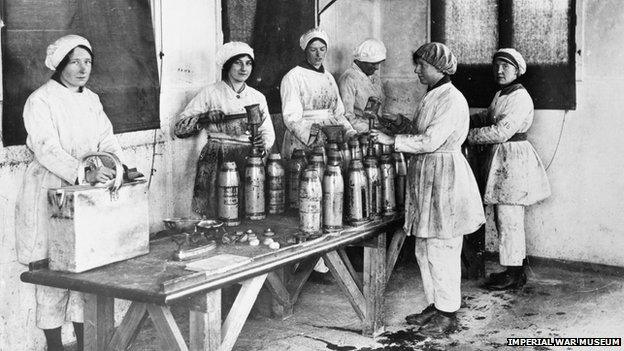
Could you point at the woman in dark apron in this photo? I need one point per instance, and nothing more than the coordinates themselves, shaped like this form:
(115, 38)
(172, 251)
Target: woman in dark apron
(220, 109)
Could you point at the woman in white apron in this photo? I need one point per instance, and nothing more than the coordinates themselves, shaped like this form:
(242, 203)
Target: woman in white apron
(516, 177)
(360, 82)
(228, 138)
(310, 100)
(64, 121)
(310, 97)
(442, 198)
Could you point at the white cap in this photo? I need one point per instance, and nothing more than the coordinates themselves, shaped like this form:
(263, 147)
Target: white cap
(312, 34)
(370, 50)
(231, 49)
(61, 47)
(512, 56)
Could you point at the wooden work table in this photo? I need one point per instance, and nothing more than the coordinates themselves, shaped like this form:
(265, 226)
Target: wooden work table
(155, 281)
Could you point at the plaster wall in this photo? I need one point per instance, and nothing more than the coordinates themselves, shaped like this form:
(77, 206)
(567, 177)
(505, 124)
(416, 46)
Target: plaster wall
(582, 220)
(188, 37)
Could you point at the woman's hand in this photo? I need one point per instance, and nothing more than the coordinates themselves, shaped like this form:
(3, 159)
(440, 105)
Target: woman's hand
(99, 175)
(257, 141)
(379, 137)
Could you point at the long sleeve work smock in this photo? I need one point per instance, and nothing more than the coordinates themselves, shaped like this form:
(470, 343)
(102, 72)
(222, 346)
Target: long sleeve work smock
(62, 126)
(516, 175)
(309, 97)
(442, 198)
(355, 89)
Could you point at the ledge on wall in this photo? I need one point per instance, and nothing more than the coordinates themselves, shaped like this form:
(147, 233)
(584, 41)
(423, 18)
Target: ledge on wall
(574, 266)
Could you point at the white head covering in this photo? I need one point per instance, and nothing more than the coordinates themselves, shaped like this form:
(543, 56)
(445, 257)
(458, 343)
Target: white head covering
(61, 47)
(312, 34)
(370, 50)
(439, 56)
(231, 49)
(512, 56)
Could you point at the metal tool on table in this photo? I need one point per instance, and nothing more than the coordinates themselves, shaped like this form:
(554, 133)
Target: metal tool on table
(180, 225)
(197, 244)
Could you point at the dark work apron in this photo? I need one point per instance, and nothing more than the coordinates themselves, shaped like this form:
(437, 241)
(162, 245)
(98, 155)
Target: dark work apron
(215, 152)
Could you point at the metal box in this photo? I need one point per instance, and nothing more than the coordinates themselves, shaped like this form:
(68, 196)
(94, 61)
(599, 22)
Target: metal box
(94, 226)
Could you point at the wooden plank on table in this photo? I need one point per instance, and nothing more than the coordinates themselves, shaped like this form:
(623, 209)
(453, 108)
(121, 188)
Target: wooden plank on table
(398, 239)
(356, 276)
(346, 282)
(374, 286)
(205, 322)
(99, 321)
(129, 327)
(235, 320)
(182, 282)
(167, 328)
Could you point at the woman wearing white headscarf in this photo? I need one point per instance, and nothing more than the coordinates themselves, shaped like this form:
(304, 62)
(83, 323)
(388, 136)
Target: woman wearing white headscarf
(228, 138)
(516, 177)
(64, 121)
(443, 201)
(310, 97)
(360, 82)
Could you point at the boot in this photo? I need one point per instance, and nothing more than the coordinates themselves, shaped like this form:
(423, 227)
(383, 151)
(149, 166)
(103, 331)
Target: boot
(495, 279)
(321, 278)
(53, 339)
(514, 278)
(440, 323)
(79, 331)
(423, 317)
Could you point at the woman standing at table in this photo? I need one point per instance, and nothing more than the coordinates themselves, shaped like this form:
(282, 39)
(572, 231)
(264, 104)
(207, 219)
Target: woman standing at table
(443, 201)
(360, 82)
(516, 176)
(64, 121)
(310, 100)
(310, 97)
(228, 139)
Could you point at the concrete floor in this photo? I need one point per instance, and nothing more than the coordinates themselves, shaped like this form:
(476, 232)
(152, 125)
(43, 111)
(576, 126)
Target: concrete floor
(555, 303)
